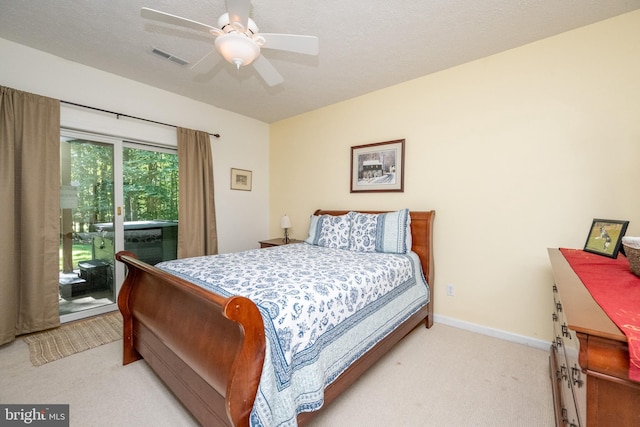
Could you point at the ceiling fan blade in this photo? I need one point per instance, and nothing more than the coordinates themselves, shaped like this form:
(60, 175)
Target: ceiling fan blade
(269, 74)
(239, 12)
(290, 42)
(168, 18)
(207, 58)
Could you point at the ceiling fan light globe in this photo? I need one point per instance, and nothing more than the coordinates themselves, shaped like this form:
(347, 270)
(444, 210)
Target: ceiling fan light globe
(237, 49)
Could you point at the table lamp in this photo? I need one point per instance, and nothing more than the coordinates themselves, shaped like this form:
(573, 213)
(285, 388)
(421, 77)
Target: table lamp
(285, 223)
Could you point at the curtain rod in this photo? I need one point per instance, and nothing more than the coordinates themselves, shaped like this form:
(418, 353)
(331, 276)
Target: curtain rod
(118, 115)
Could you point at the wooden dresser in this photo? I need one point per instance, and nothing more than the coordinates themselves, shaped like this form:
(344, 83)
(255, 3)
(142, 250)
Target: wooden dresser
(589, 358)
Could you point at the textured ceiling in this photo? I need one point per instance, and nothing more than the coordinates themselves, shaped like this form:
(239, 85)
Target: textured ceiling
(364, 45)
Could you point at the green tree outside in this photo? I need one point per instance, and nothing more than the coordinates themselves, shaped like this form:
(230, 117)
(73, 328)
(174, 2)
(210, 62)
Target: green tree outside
(150, 184)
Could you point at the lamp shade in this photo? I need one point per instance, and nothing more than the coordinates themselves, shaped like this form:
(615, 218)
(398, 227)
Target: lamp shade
(285, 222)
(237, 49)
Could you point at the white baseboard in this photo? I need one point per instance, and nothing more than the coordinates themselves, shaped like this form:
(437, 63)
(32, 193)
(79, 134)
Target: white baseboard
(496, 333)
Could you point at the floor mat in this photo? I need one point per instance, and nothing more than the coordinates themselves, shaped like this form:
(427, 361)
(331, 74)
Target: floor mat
(54, 344)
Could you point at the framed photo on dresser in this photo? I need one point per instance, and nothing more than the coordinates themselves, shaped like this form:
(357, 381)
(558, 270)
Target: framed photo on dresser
(605, 237)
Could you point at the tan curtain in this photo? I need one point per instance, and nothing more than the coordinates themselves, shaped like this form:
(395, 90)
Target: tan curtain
(30, 212)
(196, 208)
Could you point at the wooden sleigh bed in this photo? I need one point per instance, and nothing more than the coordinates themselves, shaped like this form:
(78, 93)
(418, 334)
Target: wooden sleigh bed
(209, 350)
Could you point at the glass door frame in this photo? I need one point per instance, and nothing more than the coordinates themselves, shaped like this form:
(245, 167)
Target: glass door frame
(119, 271)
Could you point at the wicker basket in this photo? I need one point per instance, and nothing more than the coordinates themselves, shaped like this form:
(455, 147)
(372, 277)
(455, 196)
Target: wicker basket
(633, 255)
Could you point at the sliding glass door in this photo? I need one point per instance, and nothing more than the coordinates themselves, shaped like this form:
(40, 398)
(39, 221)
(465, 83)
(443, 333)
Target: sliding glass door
(115, 195)
(87, 197)
(150, 190)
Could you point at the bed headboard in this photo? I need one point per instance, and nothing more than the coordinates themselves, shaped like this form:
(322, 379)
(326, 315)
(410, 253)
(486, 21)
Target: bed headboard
(421, 234)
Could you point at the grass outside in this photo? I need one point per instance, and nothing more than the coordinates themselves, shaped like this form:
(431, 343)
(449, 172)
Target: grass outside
(80, 252)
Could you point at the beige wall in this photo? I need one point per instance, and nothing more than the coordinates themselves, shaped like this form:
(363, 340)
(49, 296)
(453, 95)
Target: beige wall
(516, 152)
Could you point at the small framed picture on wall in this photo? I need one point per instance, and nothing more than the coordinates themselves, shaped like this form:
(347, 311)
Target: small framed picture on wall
(240, 179)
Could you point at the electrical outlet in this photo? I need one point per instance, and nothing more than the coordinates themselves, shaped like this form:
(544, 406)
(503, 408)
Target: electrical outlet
(450, 290)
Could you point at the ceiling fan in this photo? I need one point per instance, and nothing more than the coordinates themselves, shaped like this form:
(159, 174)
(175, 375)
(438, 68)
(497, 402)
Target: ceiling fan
(238, 40)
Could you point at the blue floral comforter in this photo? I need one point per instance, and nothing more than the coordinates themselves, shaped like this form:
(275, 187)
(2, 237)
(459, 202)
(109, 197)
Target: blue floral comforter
(322, 308)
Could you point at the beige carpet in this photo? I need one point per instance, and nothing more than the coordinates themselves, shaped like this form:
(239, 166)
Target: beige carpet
(54, 344)
(438, 377)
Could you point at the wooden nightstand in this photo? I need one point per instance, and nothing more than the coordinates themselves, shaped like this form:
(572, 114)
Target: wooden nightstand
(276, 242)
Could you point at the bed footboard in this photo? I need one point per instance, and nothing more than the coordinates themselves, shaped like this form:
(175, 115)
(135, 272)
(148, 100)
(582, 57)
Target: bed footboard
(207, 348)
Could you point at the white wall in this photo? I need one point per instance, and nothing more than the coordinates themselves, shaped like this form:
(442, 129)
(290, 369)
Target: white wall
(516, 152)
(244, 142)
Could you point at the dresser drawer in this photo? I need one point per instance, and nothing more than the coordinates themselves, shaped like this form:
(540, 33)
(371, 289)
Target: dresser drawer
(568, 375)
(564, 404)
(577, 378)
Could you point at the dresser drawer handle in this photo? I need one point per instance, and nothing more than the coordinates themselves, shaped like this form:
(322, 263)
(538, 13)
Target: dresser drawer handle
(575, 376)
(565, 418)
(558, 307)
(554, 316)
(565, 331)
(555, 289)
(561, 374)
(558, 341)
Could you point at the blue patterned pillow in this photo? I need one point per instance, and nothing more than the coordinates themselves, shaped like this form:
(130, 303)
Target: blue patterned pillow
(313, 230)
(330, 231)
(388, 232)
(363, 232)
